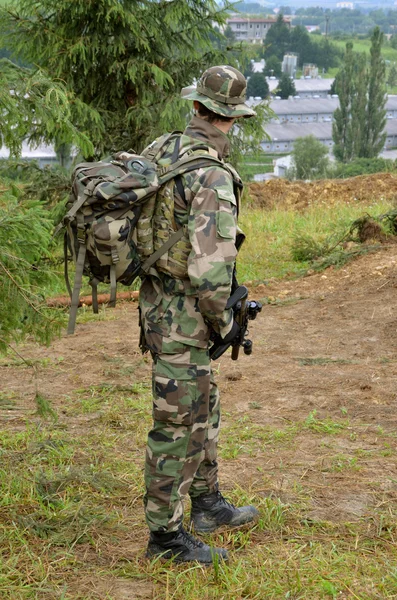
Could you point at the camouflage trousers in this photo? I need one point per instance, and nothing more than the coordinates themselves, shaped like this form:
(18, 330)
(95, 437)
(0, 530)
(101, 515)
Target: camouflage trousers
(181, 454)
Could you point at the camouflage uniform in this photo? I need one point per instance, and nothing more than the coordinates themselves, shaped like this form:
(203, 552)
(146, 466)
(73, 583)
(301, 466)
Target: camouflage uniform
(180, 302)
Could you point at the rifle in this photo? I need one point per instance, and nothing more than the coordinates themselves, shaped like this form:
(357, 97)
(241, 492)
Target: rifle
(244, 310)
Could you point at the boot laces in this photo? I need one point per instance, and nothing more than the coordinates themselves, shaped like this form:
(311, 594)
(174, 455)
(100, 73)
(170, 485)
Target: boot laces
(191, 541)
(222, 500)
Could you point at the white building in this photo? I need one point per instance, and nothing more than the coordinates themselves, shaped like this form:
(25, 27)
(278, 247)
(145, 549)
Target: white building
(252, 30)
(258, 66)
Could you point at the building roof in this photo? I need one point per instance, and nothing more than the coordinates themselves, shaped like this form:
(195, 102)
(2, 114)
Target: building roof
(305, 85)
(287, 132)
(294, 106)
(255, 20)
(312, 85)
(302, 106)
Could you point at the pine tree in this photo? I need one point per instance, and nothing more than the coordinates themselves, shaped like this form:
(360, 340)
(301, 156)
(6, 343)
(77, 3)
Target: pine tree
(286, 86)
(37, 109)
(127, 60)
(25, 239)
(277, 38)
(273, 66)
(257, 86)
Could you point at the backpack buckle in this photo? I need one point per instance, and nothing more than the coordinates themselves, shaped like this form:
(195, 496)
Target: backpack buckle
(115, 255)
(81, 234)
(163, 171)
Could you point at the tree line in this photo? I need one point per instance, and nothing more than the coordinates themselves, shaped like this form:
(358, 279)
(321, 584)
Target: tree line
(358, 129)
(332, 21)
(103, 76)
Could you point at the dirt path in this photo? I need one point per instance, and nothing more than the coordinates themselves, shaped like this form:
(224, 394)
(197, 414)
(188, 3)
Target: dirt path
(326, 343)
(325, 353)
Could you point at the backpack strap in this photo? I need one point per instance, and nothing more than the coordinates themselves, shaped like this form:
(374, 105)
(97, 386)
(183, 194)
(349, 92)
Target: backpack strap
(149, 262)
(65, 263)
(189, 163)
(94, 294)
(113, 286)
(77, 287)
(152, 151)
(174, 171)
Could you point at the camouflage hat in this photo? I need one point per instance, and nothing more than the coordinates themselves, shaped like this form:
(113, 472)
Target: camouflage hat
(222, 90)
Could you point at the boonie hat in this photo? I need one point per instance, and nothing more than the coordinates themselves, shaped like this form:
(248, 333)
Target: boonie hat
(222, 90)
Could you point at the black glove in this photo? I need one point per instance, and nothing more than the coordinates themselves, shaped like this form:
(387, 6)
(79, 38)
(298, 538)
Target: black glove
(232, 335)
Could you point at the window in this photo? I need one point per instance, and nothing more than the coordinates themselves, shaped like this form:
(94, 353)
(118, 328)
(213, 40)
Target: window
(238, 26)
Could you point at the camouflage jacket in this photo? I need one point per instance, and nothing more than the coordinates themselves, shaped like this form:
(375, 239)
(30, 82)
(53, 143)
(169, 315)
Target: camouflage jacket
(181, 310)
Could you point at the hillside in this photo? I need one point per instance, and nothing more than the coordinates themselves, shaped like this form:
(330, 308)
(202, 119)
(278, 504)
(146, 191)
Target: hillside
(308, 435)
(299, 195)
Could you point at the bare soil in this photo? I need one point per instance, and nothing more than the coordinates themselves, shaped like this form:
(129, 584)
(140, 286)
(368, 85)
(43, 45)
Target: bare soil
(300, 194)
(326, 343)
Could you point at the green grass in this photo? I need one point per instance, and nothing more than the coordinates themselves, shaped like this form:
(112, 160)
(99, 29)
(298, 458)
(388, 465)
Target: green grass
(267, 251)
(71, 510)
(388, 52)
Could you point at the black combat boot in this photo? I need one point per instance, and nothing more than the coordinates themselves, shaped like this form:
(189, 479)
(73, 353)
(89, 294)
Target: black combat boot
(182, 547)
(210, 511)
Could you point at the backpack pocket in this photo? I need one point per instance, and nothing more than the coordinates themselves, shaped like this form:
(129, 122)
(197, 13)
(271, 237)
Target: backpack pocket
(109, 242)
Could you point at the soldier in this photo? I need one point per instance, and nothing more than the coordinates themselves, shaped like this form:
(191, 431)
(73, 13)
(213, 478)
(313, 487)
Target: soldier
(181, 301)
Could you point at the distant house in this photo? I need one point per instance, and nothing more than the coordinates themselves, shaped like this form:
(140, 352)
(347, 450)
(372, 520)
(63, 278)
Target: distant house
(349, 5)
(252, 30)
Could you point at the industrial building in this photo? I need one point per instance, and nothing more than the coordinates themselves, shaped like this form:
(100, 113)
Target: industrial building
(310, 110)
(298, 110)
(307, 88)
(283, 135)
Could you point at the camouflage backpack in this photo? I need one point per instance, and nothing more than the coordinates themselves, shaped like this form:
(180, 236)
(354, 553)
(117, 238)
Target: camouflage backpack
(104, 209)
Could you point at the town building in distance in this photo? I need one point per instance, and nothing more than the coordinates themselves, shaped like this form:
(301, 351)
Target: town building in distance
(252, 30)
